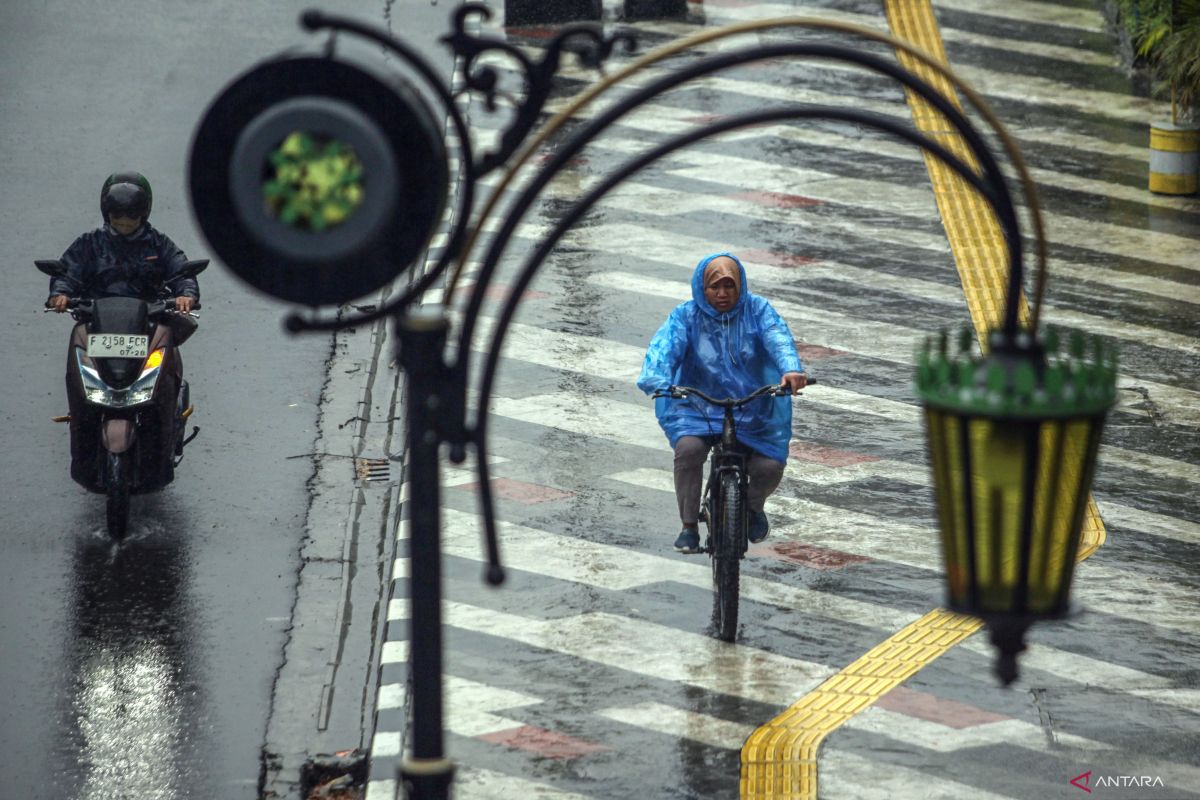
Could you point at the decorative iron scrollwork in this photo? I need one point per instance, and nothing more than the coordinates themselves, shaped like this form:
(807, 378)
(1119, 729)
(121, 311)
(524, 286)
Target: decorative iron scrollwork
(585, 41)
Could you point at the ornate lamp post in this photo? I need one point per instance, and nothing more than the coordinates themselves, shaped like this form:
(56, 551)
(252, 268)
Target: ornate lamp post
(318, 180)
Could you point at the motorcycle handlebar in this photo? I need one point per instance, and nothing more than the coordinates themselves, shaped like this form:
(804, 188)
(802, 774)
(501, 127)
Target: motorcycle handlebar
(74, 303)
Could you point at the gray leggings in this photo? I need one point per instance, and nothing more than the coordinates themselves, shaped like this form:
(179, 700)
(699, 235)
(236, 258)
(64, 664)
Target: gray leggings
(690, 455)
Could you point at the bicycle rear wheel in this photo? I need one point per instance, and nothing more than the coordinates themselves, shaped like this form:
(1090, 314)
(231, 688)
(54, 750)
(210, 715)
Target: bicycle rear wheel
(726, 558)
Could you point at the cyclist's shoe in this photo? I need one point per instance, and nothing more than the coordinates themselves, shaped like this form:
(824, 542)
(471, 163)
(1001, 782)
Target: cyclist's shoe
(688, 541)
(759, 527)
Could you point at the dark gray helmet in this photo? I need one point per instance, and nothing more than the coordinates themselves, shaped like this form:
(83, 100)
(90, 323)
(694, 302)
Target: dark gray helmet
(127, 194)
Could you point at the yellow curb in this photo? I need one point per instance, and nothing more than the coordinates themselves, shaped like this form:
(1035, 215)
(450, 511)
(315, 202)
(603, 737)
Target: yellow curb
(779, 760)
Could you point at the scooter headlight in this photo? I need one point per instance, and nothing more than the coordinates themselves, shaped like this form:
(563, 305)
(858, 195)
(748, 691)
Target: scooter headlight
(95, 390)
(142, 389)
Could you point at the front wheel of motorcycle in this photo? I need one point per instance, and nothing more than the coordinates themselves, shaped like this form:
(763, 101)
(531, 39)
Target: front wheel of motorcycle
(117, 467)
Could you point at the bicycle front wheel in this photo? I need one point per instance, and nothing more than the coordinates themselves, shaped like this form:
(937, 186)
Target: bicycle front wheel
(726, 558)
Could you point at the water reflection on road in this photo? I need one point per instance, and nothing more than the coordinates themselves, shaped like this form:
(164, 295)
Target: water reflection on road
(130, 695)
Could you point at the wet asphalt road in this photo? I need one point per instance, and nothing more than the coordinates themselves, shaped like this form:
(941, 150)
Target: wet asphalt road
(592, 673)
(143, 670)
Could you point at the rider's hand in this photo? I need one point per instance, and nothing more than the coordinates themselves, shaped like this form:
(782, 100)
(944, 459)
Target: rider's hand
(183, 303)
(794, 381)
(58, 302)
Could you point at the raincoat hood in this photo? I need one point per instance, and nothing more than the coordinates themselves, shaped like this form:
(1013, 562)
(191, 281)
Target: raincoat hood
(724, 355)
(720, 270)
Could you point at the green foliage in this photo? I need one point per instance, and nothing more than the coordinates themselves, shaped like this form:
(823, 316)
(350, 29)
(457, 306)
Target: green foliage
(1166, 33)
(317, 183)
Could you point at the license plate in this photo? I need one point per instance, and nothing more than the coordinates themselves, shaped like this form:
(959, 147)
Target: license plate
(117, 345)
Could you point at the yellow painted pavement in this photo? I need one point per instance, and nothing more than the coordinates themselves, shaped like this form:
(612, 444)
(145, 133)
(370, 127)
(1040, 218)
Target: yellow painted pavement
(779, 760)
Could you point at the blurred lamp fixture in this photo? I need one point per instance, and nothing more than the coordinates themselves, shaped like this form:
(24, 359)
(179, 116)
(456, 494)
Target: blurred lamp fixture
(1013, 438)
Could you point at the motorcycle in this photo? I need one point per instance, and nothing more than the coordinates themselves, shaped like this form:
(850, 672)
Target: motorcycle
(126, 395)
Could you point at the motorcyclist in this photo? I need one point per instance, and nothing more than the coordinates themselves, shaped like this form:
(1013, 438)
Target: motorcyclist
(726, 342)
(126, 256)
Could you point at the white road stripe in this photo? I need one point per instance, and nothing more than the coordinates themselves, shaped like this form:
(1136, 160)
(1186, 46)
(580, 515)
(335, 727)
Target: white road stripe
(395, 652)
(939, 738)
(1181, 530)
(945, 739)
(1094, 235)
(717, 732)
(659, 202)
(1100, 588)
(798, 91)
(618, 568)
(392, 695)
(844, 774)
(620, 362)
(681, 724)
(1176, 528)
(627, 238)
(611, 567)
(398, 609)
(1024, 47)
(476, 783)
(386, 744)
(381, 790)
(651, 650)
(451, 475)
(669, 120)
(1086, 19)
(469, 707)
(1064, 16)
(665, 119)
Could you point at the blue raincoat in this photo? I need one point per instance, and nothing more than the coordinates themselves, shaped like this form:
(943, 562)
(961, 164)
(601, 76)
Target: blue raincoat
(724, 355)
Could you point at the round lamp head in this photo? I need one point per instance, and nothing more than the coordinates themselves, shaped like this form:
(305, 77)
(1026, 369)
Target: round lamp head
(316, 181)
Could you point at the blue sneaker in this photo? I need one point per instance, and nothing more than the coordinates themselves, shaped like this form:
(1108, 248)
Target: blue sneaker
(759, 527)
(688, 541)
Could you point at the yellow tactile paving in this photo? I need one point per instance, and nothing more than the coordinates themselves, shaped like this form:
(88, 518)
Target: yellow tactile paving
(779, 760)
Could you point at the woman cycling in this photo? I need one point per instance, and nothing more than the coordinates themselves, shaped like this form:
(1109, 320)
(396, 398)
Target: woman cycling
(726, 342)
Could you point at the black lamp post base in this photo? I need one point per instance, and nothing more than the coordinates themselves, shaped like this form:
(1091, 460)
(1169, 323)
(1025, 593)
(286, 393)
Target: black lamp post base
(427, 778)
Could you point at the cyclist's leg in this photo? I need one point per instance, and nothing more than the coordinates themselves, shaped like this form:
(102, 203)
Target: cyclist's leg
(690, 454)
(765, 475)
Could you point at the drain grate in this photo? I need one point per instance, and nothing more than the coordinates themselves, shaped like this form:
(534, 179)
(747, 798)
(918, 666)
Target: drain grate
(373, 470)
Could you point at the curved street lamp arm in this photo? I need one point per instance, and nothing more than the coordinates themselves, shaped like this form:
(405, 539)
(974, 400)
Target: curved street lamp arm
(478, 434)
(586, 40)
(1005, 212)
(585, 97)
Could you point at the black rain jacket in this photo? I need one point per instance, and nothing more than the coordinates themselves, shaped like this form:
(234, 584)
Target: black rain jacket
(103, 263)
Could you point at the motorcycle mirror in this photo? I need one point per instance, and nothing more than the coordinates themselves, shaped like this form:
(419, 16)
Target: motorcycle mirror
(192, 268)
(55, 268)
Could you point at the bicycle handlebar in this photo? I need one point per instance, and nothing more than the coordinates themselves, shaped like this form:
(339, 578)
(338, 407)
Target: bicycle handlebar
(776, 389)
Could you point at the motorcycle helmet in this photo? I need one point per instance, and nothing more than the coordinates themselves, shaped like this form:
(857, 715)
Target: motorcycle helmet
(128, 194)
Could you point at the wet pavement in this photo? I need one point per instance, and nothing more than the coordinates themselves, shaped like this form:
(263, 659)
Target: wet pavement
(147, 670)
(594, 672)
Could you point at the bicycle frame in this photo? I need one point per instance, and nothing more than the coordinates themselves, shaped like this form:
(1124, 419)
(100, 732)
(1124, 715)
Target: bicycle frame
(724, 507)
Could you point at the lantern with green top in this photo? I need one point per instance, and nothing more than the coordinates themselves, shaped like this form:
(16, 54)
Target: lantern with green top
(1013, 438)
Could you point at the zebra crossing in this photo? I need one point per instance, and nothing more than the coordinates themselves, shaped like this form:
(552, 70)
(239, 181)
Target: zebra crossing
(591, 672)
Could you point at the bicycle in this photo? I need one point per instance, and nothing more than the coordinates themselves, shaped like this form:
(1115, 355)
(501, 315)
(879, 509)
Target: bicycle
(723, 505)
